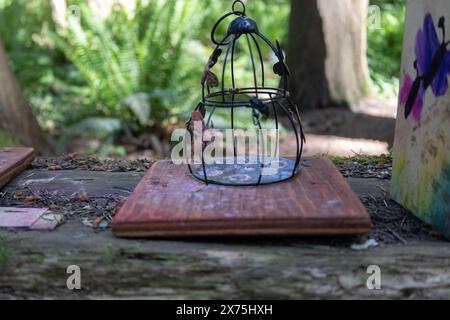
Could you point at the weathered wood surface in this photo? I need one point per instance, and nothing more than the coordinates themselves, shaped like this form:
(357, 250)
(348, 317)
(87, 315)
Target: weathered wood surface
(70, 182)
(237, 268)
(13, 161)
(169, 202)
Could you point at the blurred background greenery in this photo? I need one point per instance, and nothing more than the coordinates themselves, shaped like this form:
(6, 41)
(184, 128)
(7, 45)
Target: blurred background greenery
(384, 48)
(140, 72)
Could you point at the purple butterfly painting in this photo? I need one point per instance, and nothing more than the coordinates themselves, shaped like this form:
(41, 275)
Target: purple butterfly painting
(432, 67)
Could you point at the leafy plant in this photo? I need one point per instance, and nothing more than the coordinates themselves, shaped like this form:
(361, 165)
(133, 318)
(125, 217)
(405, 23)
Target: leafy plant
(20, 23)
(385, 47)
(139, 71)
(136, 65)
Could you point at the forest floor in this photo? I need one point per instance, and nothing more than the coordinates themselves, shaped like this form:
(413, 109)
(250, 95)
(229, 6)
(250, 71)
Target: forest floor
(366, 129)
(86, 192)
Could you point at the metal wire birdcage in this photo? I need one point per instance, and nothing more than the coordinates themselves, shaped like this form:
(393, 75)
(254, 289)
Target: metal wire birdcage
(253, 101)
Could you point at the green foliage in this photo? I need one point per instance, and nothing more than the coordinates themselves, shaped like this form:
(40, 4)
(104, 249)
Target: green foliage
(5, 252)
(135, 64)
(140, 71)
(361, 159)
(51, 85)
(272, 17)
(21, 21)
(385, 47)
(7, 141)
(143, 68)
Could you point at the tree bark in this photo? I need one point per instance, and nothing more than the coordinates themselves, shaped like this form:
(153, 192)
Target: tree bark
(103, 8)
(327, 53)
(16, 116)
(59, 13)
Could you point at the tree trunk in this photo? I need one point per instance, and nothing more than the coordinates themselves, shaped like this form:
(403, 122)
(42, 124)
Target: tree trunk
(59, 13)
(327, 53)
(103, 8)
(16, 116)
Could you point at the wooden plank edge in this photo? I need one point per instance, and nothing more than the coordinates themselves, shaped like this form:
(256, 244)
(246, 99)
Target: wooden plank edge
(249, 228)
(17, 168)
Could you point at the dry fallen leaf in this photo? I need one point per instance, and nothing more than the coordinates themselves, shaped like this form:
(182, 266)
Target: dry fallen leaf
(98, 220)
(72, 155)
(30, 199)
(211, 80)
(82, 197)
(18, 195)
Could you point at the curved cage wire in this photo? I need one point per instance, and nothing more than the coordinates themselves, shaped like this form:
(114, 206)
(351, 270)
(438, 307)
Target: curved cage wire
(254, 100)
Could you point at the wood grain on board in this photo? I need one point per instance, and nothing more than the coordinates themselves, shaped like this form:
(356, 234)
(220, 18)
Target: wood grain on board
(169, 202)
(13, 161)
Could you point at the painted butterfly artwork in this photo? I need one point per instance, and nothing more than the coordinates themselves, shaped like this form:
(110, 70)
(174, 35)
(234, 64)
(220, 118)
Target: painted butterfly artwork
(432, 67)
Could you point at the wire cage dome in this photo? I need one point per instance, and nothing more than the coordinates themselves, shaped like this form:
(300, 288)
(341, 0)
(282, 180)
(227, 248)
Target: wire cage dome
(226, 103)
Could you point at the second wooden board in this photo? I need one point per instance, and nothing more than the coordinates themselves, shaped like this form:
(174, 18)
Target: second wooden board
(13, 161)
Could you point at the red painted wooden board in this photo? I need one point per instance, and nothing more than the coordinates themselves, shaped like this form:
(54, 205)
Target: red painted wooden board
(13, 161)
(169, 202)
